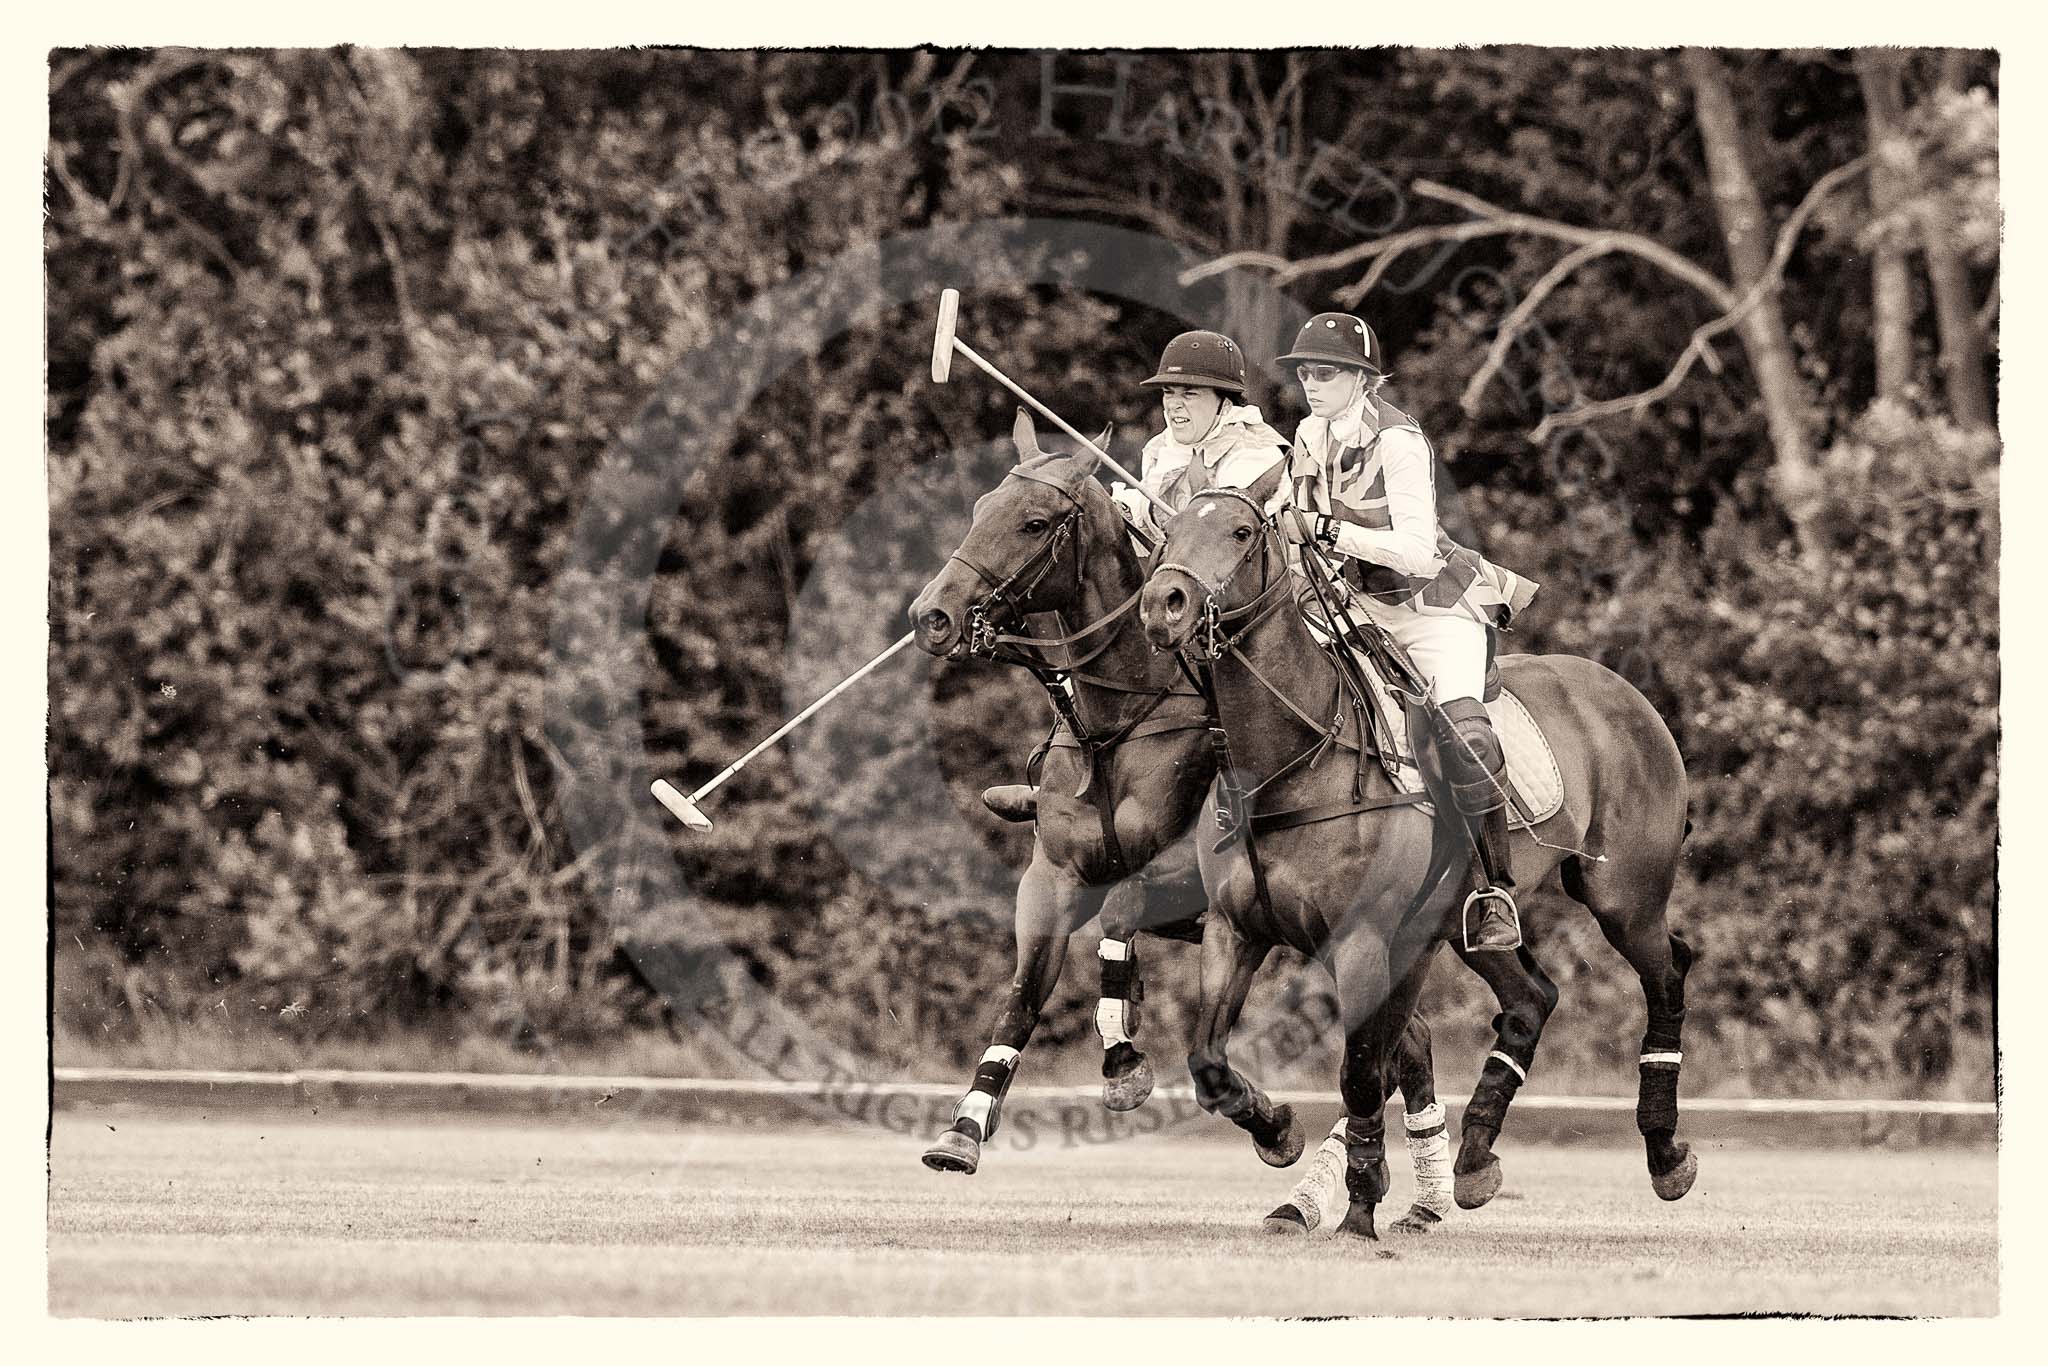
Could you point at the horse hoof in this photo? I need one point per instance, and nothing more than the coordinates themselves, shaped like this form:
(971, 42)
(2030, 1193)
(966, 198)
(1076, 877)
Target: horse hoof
(1287, 1151)
(1474, 1188)
(1286, 1220)
(1418, 1219)
(1673, 1185)
(1358, 1223)
(1130, 1090)
(954, 1152)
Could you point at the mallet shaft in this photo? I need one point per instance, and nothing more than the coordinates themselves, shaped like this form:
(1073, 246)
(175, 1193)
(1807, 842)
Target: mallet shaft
(964, 349)
(793, 722)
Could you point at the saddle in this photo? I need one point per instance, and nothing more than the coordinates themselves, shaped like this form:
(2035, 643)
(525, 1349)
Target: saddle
(1535, 785)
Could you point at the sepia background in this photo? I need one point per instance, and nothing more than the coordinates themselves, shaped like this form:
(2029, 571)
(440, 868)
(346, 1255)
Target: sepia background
(340, 343)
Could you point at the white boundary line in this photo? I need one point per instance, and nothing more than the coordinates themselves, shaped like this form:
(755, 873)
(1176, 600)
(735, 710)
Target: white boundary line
(541, 1082)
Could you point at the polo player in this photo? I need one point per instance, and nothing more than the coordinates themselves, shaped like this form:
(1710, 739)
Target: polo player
(1366, 476)
(1210, 441)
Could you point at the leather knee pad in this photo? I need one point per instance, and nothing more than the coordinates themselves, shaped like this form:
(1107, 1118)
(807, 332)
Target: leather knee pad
(1475, 730)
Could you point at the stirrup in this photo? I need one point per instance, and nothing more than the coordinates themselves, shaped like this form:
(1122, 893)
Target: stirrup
(1512, 913)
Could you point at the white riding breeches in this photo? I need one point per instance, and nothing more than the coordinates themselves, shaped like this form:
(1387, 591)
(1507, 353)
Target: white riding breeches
(1449, 651)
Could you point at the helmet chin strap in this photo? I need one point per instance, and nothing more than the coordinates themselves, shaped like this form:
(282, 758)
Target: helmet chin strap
(1359, 388)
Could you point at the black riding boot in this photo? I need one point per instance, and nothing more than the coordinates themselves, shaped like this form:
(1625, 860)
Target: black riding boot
(1491, 919)
(1478, 773)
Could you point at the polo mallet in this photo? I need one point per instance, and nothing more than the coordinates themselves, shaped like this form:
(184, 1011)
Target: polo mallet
(945, 343)
(685, 808)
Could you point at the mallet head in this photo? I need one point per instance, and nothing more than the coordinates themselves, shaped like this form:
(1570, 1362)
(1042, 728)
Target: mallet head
(942, 343)
(681, 807)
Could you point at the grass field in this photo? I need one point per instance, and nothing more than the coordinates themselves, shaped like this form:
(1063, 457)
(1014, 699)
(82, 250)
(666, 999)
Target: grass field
(179, 1214)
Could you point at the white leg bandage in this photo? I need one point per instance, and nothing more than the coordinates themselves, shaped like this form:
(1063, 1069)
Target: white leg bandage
(1112, 1022)
(975, 1105)
(1112, 1014)
(1429, 1145)
(1321, 1194)
(978, 1104)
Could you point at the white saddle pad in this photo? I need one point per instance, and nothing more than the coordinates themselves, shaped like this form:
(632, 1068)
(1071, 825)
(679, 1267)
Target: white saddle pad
(1533, 775)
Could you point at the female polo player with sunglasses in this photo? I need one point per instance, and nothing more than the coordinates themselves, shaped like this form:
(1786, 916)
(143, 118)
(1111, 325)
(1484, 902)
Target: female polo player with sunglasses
(1366, 476)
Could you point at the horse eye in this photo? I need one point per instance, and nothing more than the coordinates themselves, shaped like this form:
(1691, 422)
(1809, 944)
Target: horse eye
(1035, 526)
(1243, 533)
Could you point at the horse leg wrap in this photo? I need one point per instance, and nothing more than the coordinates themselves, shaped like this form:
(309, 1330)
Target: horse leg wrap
(1122, 989)
(983, 1102)
(1246, 1106)
(1499, 1079)
(1365, 1160)
(1429, 1147)
(1657, 1068)
(1218, 1087)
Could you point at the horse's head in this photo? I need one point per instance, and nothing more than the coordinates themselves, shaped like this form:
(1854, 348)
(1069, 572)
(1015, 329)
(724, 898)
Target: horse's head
(1026, 551)
(1220, 557)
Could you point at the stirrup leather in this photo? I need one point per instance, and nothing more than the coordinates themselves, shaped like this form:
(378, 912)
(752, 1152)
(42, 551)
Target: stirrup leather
(1514, 916)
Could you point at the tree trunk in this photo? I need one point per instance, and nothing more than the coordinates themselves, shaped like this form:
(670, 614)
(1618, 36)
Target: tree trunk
(1259, 205)
(1788, 407)
(1891, 299)
(1962, 343)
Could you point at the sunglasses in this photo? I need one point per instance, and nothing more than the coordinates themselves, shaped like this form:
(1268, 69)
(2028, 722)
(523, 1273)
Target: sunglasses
(1321, 374)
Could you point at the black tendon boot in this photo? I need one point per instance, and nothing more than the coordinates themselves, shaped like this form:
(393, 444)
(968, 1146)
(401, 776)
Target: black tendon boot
(1478, 773)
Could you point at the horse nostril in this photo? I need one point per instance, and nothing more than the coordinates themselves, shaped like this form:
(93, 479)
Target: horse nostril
(937, 625)
(1176, 603)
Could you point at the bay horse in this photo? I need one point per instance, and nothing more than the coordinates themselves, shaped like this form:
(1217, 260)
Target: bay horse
(1356, 878)
(1123, 780)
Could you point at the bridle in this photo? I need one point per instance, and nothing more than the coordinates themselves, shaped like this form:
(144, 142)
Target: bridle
(1224, 632)
(1215, 619)
(1010, 591)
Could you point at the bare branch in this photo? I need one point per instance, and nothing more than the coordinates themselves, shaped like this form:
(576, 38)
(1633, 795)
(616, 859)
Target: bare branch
(1511, 326)
(524, 784)
(1489, 221)
(90, 204)
(127, 101)
(1647, 248)
(1081, 196)
(1773, 276)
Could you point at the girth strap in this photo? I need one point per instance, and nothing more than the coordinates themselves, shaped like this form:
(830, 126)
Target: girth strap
(1157, 725)
(1329, 811)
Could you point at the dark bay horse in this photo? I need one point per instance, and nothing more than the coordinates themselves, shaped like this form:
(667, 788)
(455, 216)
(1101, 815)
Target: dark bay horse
(1364, 892)
(1122, 784)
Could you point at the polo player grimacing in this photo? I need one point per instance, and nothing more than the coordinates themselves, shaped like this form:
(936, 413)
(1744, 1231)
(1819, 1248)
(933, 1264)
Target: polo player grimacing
(1366, 475)
(1210, 440)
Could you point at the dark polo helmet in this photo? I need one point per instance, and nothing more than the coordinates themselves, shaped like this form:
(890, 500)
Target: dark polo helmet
(1208, 359)
(1337, 337)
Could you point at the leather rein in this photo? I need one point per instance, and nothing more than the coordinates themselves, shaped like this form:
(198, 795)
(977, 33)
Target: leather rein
(1224, 631)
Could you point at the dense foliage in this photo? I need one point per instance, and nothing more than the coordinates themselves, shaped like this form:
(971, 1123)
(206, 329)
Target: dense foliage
(340, 343)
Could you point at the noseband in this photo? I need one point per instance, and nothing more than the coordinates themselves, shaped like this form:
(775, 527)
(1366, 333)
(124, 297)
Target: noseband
(1214, 618)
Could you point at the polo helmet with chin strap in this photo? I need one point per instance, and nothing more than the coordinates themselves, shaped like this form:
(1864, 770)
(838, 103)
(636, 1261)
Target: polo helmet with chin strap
(1340, 339)
(1207, 360)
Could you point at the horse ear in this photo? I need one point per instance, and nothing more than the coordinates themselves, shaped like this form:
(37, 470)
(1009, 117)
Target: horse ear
(1025, 434)
(1086, 461)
